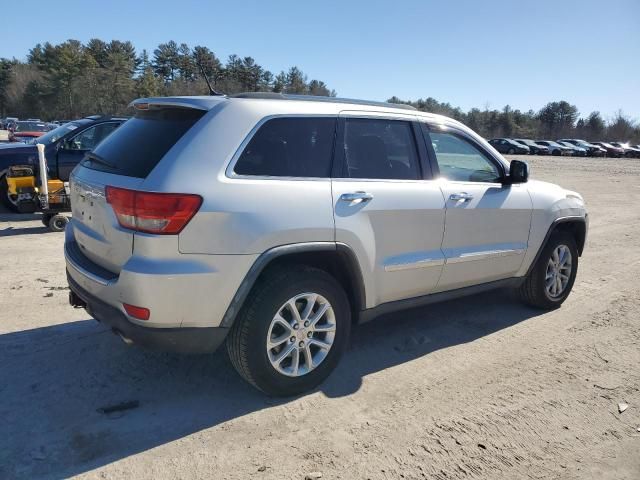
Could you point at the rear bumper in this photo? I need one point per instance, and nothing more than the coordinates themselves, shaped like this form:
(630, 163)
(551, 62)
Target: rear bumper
(181, 291)
(180, 340)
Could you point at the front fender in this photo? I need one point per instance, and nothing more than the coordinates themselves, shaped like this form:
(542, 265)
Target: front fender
(552, 206)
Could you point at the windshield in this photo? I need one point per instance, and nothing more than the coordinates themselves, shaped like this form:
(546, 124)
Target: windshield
(55, 135)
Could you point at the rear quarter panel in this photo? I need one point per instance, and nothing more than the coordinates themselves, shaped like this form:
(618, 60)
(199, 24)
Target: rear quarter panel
(241, 215)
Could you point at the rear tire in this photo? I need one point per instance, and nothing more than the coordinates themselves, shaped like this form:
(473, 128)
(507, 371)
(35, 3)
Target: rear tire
(536, 290)
(247, 343)
(511, 151)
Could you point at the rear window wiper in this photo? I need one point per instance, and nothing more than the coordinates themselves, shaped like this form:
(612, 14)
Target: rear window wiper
(94, 158)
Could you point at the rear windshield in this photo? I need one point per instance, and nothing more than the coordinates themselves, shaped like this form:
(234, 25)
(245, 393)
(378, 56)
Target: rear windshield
(139, 144)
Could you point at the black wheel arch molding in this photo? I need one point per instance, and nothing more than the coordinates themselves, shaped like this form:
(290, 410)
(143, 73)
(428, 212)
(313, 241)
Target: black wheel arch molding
(581, 225)
(292, 251)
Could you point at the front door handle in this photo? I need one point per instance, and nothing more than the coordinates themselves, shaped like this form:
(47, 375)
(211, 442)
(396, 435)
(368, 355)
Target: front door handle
(462, 196)
(356, 197)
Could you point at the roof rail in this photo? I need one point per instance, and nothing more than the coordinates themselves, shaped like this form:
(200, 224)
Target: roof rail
(313, 98)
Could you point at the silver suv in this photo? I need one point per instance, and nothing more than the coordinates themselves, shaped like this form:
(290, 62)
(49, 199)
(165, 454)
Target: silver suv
(275, 222)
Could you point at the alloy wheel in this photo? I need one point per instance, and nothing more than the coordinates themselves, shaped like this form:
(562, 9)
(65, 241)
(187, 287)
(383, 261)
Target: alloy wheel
(301, 334)
(558, 271)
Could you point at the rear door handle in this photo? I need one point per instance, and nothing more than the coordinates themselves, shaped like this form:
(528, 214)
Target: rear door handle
(462, 196)
(356, 197)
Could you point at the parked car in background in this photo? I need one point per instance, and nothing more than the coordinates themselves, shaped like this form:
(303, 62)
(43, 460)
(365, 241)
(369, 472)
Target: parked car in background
(575, 149)
(26, 130)
(592, 149)
(506, 145)
(555, 148)
(9, 123)
(629, 151)
(65, 147)
(534, 148)
(612, 150)
(188, 232)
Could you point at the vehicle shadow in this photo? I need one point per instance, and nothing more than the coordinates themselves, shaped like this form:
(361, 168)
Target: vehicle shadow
(11, 231)
(54, 379)
(6, 216)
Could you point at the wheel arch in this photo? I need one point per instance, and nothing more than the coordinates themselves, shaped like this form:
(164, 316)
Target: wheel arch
(337, 259)
(576, 226)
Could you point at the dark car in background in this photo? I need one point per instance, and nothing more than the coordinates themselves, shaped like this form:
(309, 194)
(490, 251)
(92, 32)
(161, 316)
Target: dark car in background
(629, 151)
(576, 151)
(612, 150)
(506, 145)
(592, 149)
(534, 148)
(555, 148)
(65, 147)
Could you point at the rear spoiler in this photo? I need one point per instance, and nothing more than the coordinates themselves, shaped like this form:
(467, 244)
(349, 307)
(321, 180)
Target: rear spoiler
(197, 103)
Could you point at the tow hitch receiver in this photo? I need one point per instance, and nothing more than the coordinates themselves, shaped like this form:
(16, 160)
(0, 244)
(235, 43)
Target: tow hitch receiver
(75, 301)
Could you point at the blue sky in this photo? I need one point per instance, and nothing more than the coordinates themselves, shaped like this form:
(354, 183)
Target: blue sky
(468, 53)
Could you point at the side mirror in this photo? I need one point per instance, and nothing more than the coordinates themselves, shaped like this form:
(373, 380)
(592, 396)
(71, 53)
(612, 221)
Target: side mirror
(518, 171)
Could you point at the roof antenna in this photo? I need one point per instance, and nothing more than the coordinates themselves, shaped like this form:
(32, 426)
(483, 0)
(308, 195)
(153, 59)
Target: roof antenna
(206, 79)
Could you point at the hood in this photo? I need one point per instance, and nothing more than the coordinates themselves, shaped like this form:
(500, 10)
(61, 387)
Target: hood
(555, 190)
(17, 147)
(17, 154)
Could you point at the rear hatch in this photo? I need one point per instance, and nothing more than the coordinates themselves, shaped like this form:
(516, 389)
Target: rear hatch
(123, 160)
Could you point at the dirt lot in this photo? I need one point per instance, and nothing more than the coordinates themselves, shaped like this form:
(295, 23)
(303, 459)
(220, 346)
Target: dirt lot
(480, 388)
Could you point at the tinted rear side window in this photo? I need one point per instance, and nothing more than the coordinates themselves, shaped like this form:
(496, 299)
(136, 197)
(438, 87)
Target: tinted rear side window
(380, 149)
(290, 147)
(139, 144)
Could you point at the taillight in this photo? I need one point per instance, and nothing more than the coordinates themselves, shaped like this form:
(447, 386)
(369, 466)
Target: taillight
(150, 212)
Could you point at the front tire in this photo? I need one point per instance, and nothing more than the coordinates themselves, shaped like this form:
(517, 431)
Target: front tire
(550, 281)
(292, 330)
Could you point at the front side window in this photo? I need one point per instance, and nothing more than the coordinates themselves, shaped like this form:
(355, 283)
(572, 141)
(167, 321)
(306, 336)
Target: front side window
(290, 147)
(459, 160)
(380, 149)
(91, 137)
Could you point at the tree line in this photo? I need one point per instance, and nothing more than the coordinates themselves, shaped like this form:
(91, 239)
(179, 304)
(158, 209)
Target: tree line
(72, 79)
(555, 120)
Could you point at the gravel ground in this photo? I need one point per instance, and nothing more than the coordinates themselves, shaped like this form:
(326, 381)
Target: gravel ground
(475, 389)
